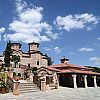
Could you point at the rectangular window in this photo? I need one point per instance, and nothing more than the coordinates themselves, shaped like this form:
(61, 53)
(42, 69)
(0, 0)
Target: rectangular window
(38, 63)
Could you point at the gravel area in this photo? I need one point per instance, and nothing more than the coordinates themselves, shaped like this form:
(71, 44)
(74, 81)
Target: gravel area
(63, 93)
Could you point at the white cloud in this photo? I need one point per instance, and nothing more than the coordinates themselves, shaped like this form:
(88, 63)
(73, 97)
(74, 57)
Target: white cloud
(0, 37)
(72, 53)
(20, 6)
(86, 49)
(47, 49)
(98, 38)
(95, 60)
(57, 49)
(2, 30)
(29, 25)
(52, 35)
(77, 21)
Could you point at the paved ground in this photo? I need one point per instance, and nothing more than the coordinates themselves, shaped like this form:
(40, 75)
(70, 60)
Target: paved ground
(62, 93)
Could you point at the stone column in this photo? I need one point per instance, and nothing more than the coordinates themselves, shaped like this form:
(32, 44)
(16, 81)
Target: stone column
(85, 80)
(55, 80)
(18, 65)
(11, 74)
(16, 90)
(95, 83)
(58, 80)
(43, 83)
(5, 76)
(74, 80)
(31, 77)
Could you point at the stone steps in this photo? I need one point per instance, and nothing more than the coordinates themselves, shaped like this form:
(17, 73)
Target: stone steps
(28, 87)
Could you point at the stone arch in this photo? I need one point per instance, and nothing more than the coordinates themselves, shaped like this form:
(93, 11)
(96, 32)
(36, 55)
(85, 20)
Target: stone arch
(43, 72)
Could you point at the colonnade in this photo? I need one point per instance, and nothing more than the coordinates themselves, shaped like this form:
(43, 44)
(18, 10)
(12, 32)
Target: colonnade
(85, 80)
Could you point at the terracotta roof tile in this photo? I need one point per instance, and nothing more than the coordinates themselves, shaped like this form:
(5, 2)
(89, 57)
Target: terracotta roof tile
(72, 69)
(51, 68)
(86, 72)
(78, 71)
(69, 65)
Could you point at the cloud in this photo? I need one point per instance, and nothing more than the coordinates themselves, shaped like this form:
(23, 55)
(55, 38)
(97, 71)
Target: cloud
(57, 49)
(98, 38)
(29, 25)
(2, 30)
(72, 53)
(95, 60)
(0, 37)
(77, 21)
(85, 49)
(47, 49)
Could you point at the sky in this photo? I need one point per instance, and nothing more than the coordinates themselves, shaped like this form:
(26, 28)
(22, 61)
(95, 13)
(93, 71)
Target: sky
(69, 28)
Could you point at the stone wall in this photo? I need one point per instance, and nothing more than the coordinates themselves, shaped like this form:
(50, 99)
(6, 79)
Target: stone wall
(25, 61)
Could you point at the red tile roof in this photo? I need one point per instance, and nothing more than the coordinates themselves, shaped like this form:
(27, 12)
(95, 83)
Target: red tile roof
(78, 72)
(70, 68)
(69, 65)
(86, 72)
(53, 69)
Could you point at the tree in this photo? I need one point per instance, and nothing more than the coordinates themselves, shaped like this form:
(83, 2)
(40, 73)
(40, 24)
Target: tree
(15, 59)
(95, 69)
(34, 70)
(50, 62)
(7, 54)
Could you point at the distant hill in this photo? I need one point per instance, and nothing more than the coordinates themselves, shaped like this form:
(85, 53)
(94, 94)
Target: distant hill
(95, 69)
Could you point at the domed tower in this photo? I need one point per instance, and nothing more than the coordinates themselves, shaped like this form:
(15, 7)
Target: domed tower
(33, 47)
(16, 46)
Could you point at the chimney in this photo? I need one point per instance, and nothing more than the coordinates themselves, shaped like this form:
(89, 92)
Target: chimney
(64, 60)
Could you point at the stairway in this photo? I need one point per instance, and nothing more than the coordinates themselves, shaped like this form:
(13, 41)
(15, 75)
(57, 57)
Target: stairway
(26, 87)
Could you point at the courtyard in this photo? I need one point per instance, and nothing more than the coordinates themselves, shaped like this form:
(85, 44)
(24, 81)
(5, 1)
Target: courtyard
(62, 93)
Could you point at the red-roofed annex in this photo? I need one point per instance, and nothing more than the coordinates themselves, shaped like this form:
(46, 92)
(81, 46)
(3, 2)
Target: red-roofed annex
(70, 75)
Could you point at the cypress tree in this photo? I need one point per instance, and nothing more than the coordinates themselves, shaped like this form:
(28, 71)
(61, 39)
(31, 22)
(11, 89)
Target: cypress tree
(49, 60)
(7, 54)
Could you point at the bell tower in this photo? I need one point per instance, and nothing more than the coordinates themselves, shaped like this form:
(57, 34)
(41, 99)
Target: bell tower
(16, 46)
(33, 47)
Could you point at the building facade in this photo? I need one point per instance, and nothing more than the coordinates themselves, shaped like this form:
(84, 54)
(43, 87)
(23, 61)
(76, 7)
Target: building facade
(20, 60)
(32, 58)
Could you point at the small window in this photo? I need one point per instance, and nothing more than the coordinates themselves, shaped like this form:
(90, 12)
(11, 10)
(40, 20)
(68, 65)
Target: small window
(38, 63)
(29, 65)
